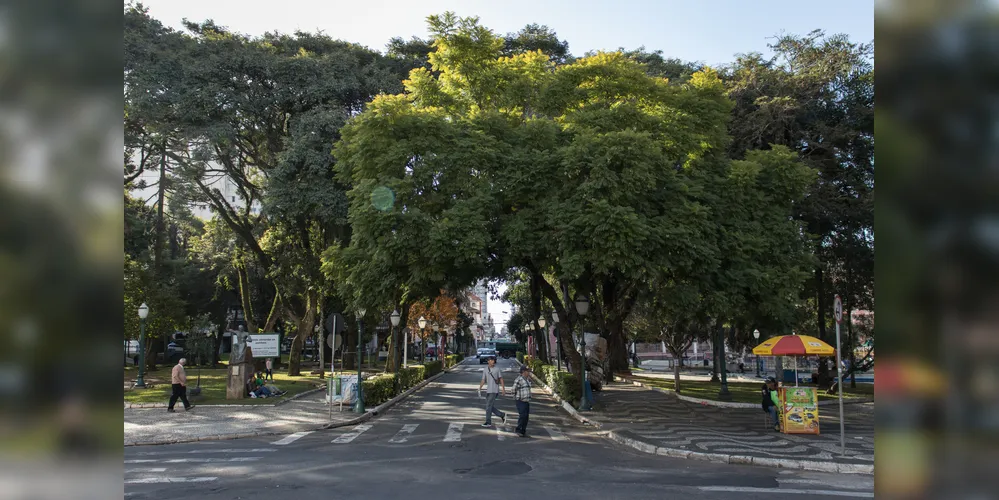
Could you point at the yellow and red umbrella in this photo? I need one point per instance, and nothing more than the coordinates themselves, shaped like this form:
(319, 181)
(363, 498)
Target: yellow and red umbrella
(794, 345)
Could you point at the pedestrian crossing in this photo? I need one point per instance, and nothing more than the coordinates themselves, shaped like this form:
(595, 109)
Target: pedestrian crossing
(205, 464)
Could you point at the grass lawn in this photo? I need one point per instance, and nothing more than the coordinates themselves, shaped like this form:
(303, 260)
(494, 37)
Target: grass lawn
(742, 392)
(213, 386)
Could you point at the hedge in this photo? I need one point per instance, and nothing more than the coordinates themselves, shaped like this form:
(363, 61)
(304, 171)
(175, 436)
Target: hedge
(379, 389)
(520, 356)
(410, 376)
(451, 360)
(433, 368)
(565, 385)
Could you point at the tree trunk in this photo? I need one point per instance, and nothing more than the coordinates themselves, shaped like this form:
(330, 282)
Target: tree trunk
(272, 316)
(305, 328)
(617, 348)
(715, 374)
(245, 299)
(676, 373)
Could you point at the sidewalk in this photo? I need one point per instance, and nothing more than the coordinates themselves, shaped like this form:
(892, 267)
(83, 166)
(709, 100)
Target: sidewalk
(659, 423)
(157, 426)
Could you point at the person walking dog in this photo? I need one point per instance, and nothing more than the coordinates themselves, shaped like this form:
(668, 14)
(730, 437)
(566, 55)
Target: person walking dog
(492, 378)
(178, 379)
(522, 395)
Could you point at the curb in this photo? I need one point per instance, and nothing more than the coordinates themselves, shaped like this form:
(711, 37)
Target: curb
(811, 465)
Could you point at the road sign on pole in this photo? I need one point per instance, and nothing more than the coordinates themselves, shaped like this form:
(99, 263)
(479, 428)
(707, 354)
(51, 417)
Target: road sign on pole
(838, 312)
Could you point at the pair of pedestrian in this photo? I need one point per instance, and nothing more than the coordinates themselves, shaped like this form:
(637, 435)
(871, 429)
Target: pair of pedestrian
(492, 378)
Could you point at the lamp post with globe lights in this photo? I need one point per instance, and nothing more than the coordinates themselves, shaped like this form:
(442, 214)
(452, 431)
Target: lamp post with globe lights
(583, 307)
(756, 336)
(423, 347)
(395, 317)
(558, 347)
(143, 314)
(359, 404)
(544, 334)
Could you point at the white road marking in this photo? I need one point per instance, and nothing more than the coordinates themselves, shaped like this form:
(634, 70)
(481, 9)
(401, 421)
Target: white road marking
(403, 435)
(453, 432)
(352, 435)
(784, 491)
(220, 450)
(555, 433)
(192, 460)
(291, 438)
(140, 471)
(501, 432)
(156, 480)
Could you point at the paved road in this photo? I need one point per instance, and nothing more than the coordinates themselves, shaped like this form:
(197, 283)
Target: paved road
(431, 446)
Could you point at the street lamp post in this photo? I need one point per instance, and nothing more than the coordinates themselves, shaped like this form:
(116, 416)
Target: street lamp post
(548, 347)
(359, 404)
(395, 322)
(558, 347)
(583, 307)
(423, 346)
(756, 336)
(143, 314)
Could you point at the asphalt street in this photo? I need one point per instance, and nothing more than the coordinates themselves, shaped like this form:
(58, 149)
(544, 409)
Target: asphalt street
(431, 446)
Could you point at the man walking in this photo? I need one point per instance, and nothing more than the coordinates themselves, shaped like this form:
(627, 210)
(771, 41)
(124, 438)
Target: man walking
(522, 395)
(492, 378)
(178, 377)
(269, 368)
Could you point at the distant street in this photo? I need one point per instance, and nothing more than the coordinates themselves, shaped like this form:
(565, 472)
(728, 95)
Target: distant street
(431, 446)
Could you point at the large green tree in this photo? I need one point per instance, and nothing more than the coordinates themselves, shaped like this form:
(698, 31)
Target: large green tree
(815, 95)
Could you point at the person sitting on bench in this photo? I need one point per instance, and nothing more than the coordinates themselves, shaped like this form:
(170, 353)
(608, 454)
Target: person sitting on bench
(770, 401)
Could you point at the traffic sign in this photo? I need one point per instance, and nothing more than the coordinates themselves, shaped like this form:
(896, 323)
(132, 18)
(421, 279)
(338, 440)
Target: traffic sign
(838, 309)
(335, 319)
(334, 344)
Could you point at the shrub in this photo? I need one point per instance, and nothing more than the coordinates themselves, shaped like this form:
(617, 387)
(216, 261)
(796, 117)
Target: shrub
(565, 385)
(432, 368)
(520, 356)
(410, 376)
(451, 360)
(379, 389)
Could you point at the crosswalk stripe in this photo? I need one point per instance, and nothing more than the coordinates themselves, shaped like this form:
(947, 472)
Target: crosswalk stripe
(156, 480)
(404, 433)
(501, 432)
(140, 471)
(555, 433)
(291, 438)
(453, 432)
(206, 450)
(192, 460)
(350, 436)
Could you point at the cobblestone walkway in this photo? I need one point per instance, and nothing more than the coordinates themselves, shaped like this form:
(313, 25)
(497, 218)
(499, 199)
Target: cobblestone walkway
(663, 420)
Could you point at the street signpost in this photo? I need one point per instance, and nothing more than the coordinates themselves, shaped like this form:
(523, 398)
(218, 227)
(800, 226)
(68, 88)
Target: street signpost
(838, 313)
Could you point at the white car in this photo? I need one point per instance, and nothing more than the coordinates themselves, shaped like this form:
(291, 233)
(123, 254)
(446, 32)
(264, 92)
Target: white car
(484, 353)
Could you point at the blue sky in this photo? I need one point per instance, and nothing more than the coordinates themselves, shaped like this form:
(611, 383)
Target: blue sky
(710, 31)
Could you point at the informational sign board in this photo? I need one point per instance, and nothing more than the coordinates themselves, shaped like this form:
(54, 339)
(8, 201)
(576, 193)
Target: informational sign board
(343, 389)
(800, 410)
(263, 345)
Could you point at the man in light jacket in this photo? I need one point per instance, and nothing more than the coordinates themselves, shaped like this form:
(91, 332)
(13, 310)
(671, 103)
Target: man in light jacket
(178, 379)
